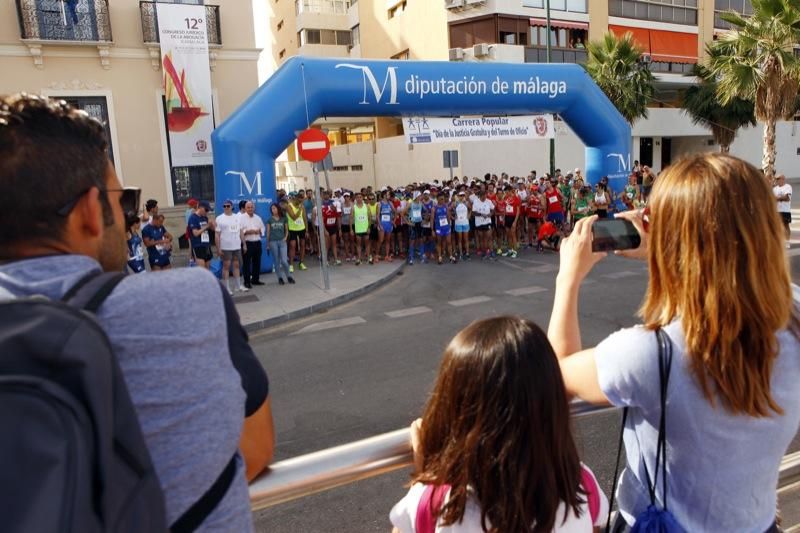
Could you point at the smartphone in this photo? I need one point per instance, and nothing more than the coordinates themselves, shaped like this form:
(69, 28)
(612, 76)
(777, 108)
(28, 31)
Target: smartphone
(614, 234)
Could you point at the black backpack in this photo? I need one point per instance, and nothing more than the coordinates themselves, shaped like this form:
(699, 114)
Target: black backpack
(72, 455)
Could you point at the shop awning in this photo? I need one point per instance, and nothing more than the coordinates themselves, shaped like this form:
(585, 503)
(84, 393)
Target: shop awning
(570, 25)
(641, 36)
(673, 46)
(668, 46)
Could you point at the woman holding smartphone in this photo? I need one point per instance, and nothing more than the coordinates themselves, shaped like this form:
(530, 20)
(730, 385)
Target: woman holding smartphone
(733, 405)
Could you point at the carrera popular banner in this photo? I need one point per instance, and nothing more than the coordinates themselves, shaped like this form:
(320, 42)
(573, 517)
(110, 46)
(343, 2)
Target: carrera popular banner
(187, 83)
(428, 130)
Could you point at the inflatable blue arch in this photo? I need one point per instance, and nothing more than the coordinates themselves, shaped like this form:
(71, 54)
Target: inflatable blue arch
(246, 144)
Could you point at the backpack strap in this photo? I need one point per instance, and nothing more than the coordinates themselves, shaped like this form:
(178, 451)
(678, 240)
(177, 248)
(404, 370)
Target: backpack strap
(199, 511)
(91, 291)
(592, 493)
(428, 508)
(616, 469)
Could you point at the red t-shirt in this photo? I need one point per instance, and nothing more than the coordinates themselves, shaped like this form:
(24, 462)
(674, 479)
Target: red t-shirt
(547, 230)
(513, 204)
(329, 215)
(553, 201)
(500, 210)
(535, 209)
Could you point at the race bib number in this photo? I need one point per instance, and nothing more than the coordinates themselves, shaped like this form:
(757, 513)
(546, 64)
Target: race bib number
(204, 238)
(552, 199)
(331, 222)
(444, 222)
(234, 228)
(385, 218)
(347, 210)
(630, 195)
(361, 217)
(510, 209)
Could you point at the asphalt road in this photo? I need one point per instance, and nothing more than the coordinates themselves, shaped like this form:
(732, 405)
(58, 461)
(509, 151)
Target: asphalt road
(354, 371)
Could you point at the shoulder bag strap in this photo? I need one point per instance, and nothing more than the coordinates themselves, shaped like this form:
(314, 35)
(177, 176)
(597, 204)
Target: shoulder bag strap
(616, 469)
(664, 368)
(193, 517)
(91, 291)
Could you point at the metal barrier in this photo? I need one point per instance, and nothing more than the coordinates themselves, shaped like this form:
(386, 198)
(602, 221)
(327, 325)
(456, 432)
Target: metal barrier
(327, 469)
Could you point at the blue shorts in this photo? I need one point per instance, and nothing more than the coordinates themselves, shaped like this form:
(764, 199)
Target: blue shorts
(387, 227)
(556, 218)
(158, 260)
(443, 231)
(462, 228)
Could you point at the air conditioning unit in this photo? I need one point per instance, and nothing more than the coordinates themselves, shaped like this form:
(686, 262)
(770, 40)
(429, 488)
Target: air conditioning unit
(480, 50)
(456, 54)
(453, 4)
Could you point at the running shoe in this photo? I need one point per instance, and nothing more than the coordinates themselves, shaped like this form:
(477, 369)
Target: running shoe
(303, 266)
(291, 269)
(347, 259)
(229, 291)
(410, 260)
(358, 262)
(281, 282)
(466, 257)
(499, 252)
(370, 261)
(242, 289)
(513, 254)
(480, 254)
(424, 260)
(291, 280)
(388, 258)
(338, 262)
(788, 245)
(440, 260)
(494, 256)
(453, 259)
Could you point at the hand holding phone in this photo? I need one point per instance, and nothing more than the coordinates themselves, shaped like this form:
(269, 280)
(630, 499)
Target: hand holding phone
(614, 234)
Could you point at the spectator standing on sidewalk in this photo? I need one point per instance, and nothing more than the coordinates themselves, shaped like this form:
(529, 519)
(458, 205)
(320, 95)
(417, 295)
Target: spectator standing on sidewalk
(783, 195)
(253, 231)
(296, 215)
(732, 401)
(134, 242)
(229, 245)
(150, 211)
(277, 234)
(199, 236)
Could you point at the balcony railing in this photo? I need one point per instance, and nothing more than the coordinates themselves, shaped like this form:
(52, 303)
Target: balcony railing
(150, 33)
(538, 54)
(56, 20)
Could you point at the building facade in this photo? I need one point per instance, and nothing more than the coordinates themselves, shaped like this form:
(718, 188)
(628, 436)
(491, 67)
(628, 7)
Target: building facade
(104, 57)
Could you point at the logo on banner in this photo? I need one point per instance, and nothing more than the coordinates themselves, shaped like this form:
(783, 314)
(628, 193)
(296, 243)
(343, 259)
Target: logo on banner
(201, 145)
(622, 164)
(244, 183)
(540, 126)
(370, 81)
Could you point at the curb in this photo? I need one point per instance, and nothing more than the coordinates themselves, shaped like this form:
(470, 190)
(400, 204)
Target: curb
(253, 327)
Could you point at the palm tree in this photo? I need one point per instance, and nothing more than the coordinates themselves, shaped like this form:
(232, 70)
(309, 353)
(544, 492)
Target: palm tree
(701, 103)
(755, 61)
(615, 64)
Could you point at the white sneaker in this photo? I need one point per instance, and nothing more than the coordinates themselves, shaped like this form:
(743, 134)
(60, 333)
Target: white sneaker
(788, 245)
(229, 290)
(242, 289)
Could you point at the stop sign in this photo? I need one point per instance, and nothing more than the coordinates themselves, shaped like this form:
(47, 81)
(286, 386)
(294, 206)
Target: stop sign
(313, 145)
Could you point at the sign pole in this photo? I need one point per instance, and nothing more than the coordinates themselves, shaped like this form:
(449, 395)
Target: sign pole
(553, 140)
(323, 250)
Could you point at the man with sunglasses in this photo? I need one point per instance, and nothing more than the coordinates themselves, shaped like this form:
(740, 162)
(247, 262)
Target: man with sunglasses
(193, 380)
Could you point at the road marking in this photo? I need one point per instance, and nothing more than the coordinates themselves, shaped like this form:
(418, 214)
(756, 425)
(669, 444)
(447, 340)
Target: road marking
(623, 274)
(542, 269)
(330, 324)
(469, 301)
(525, 290)
(313, 145)
(400, 313)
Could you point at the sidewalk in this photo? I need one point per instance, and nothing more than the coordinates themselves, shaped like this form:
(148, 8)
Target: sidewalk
(272, 304)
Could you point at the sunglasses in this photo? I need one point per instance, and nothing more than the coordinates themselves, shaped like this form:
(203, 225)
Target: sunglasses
(646, 218)
(128, 200)
(227, 206)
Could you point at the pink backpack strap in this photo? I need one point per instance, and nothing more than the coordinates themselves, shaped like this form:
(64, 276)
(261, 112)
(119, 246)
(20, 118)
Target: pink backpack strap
(593, 494)
(428, 508)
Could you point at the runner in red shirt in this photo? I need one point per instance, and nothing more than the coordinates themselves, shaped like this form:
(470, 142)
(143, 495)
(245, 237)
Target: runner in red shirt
(535, 211)
(332, 220)
(555, 209)
(549, 234)
(512, 212)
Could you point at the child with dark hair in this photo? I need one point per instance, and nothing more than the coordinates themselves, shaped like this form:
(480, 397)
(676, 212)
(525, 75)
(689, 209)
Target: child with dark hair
(135, 251)
(494, 451)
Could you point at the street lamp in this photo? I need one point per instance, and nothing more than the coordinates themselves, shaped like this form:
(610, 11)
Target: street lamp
(552, 140)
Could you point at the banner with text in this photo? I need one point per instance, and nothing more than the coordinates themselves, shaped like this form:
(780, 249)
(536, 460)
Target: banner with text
(187, 83)
(428, 130)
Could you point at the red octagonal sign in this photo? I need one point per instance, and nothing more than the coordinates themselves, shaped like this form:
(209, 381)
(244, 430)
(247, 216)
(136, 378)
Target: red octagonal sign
(313, 145)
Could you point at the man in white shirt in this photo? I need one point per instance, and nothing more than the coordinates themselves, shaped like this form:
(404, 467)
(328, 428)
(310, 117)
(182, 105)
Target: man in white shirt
(783, 195)
(483, 208)
(253, 231)
(229, 245)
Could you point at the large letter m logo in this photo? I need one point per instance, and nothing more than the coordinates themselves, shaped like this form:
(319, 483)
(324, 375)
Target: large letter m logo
(372, 82)
(244, 183)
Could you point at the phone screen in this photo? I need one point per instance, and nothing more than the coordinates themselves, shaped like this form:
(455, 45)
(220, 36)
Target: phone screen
(614, 234)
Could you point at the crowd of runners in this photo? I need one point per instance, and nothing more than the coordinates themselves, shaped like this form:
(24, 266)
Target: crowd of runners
(451, 221)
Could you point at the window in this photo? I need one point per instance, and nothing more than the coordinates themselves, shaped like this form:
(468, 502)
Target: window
(355, 35)
(97, 108)
(743, 7)
(341, 168)
(357, 168)
(397, 9)
(574, 6)
(404, 55)
(674, 11)
(334, 7)
(336, 37)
